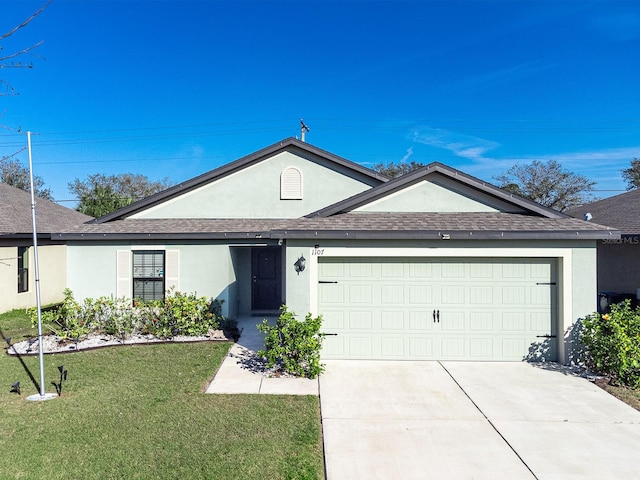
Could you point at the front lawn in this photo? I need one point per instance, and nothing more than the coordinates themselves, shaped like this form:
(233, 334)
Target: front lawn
(139, 412)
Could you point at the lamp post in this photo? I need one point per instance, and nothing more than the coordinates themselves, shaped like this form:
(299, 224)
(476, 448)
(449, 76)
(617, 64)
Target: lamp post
(42, 395)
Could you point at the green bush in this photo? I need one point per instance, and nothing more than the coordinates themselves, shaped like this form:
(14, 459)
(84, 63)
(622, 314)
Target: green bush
(611, 344)
(68, 321)
(178, 314)
(293, 345)
(184, 314)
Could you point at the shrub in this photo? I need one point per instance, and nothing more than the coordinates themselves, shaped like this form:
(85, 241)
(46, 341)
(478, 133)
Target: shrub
(178, 314)
(68, 321)
(293, 345)
(184, 314)
(611, 344)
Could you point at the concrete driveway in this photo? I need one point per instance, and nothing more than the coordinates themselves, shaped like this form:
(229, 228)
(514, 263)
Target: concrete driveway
(463, 420)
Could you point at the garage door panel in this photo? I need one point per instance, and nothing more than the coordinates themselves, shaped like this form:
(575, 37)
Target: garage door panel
(513, 322)
(420, 321)
(392, 294)
(481, 322)
(332, 294)
(333, 320)
(481, 295)
(481, 348)
(393, 347)
(360, 294)
(490, 309)
(420, 295)
(421, 348)
(392, 320)
(452, 294)
(361, 347)
(515, 295)
(360, 320)
(513, 348)
(453, 348)
(422, 270)
(540, 295)
(452, 321)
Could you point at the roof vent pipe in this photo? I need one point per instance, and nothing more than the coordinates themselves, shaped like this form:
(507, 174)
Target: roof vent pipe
(588, 216)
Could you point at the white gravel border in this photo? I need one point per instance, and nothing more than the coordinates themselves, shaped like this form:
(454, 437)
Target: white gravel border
(53, 343)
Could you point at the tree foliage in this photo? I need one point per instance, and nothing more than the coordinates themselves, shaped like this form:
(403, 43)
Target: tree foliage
(12, 59)
(394, 170)
(101, 194)
(548, 184)
(13, 173)
(631, 175)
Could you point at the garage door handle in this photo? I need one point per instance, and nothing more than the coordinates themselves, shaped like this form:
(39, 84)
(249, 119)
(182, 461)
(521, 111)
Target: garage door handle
(545, 283)
(436, 316)
(546, 336)
(327, 281)
(330, 334)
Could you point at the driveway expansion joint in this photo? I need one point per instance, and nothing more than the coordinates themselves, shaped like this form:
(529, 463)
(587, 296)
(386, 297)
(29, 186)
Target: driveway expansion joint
(489, 421)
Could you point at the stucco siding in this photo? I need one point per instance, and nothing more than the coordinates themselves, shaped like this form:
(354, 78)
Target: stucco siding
(438, 193)
(52, 273)
(206, 270)
(254, 192)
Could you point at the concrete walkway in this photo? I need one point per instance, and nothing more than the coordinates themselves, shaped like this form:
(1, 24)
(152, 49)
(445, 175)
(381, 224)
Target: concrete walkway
(459, 420)
(242, 372)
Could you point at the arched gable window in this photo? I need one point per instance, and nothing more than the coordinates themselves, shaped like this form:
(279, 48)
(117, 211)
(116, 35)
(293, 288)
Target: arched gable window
(291, 184)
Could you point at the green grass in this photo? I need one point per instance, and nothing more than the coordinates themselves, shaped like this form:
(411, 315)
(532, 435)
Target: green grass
(138, 412)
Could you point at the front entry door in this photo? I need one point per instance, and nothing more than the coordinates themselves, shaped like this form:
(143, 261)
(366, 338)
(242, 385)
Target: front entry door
(266, 274)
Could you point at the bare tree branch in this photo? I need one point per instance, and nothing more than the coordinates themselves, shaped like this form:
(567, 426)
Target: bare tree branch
(17, 54)
(26, 22)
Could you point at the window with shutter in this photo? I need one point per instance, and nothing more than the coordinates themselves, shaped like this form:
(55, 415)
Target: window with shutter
(291, 184)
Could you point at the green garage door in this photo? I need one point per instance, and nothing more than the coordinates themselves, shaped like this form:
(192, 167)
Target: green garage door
(438, 309)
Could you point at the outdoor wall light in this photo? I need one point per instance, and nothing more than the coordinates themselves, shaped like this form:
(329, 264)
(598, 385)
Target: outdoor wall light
(300, 264)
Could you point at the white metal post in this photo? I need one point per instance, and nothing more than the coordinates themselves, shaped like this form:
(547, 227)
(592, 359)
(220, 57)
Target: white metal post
(42, 395)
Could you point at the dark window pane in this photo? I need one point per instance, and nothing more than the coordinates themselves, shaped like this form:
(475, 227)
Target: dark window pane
(23, 269)
(148, 274)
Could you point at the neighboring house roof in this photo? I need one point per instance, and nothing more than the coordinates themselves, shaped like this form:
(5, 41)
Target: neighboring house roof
(16, 216)
(620, 211)
(424, 173)
(291, 144)
(360, 225)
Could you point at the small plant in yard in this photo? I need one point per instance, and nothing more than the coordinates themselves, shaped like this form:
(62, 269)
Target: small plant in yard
(611, 344)
(292, 344)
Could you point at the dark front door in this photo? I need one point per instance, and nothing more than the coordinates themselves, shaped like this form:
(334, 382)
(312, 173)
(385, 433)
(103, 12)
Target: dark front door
(266, 271)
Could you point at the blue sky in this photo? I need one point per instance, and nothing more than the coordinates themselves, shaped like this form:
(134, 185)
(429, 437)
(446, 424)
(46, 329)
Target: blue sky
(177, 88)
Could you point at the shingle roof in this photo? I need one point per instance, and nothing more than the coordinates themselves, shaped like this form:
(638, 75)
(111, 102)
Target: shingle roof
(621, 212)
(367, 225)
(16, 218)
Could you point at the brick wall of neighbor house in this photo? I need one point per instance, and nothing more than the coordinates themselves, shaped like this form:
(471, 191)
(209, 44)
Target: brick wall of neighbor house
(53, 278)
(619, 265)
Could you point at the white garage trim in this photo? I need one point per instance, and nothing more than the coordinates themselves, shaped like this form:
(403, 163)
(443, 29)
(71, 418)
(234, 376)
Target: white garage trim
(564, 256)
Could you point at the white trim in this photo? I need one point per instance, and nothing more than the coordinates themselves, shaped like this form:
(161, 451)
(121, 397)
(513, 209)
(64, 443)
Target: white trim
(171, 270)
(124, 279)
(565, 268)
